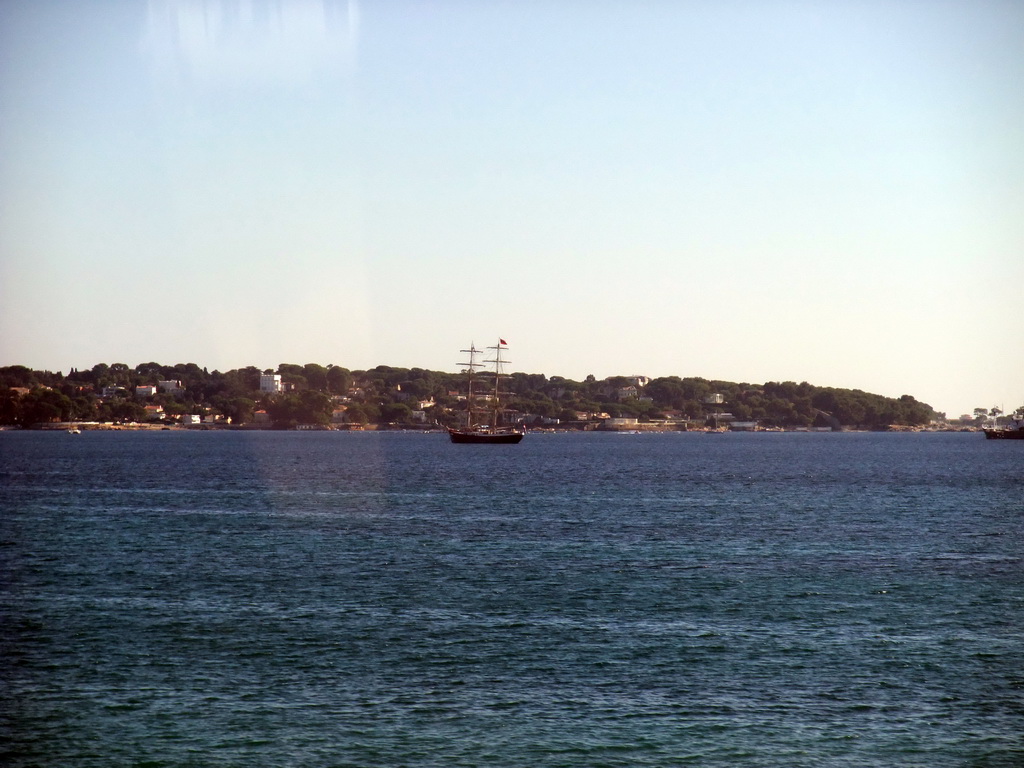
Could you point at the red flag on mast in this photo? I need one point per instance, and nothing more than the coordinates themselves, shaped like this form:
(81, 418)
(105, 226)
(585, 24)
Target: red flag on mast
(502, 341)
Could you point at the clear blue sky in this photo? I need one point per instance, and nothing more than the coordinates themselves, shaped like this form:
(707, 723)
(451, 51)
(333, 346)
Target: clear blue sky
(745, 190)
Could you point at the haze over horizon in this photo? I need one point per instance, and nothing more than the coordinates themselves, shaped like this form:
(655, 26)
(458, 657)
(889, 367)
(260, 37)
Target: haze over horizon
(743, 191)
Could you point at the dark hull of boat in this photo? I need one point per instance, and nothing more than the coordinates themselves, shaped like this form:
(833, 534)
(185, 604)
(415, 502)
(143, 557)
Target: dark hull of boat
(1004, 434)
(501, 437)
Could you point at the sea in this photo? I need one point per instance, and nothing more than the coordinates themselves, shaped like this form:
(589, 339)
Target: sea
(180, 598)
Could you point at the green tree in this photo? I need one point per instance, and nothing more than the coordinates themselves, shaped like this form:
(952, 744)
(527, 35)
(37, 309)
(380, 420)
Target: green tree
(742, 412)
(83, 408)
(149, 373)
(17, 376)
(316, 376)
(239, 409)
(121, 375)
(10, 407)
(44, 405)
(395, 413)
(417, 388)
(667, 392)
(101, 375)
(120, 410)
(306, 407)
(293, 374)
(338, 379)
(315, 407)
(284, 410)
(355, 414)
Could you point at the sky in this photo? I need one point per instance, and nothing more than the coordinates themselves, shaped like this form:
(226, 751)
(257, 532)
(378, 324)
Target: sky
(743, 190)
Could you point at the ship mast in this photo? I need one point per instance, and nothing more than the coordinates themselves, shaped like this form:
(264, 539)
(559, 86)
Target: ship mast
(498, 373)
(469, 368)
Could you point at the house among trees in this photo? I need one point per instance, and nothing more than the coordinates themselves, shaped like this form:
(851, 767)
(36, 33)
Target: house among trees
(271, 382)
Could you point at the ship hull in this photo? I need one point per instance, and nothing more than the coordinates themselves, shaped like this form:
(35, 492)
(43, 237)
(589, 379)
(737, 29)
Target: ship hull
(1004, 434)
(486, 437)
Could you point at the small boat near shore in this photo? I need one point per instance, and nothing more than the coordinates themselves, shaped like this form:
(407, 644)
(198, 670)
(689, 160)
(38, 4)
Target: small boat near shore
(478, 432)
(1014, 431)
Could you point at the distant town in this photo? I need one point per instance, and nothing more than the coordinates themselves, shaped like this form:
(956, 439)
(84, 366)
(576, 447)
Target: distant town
(314, 396)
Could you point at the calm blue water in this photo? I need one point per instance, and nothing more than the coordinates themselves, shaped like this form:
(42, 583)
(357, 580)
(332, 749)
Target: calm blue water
(345, 599)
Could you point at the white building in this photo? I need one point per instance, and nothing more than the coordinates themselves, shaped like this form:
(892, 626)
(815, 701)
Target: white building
(271, 382)
(172, 387)
(191, 418)
(145, 390)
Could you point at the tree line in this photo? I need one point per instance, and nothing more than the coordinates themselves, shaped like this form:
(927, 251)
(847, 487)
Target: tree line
(390, 395)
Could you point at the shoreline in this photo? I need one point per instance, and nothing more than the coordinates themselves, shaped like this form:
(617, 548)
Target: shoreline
(630, 430)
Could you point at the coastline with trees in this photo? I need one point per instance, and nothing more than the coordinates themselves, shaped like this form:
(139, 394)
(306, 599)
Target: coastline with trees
(318, 396)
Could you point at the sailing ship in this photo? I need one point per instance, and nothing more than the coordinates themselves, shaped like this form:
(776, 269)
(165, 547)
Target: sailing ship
(1013, 431)
(479, 430)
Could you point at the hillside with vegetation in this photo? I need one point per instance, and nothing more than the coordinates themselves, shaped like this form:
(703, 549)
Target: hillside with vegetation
(319, 395)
